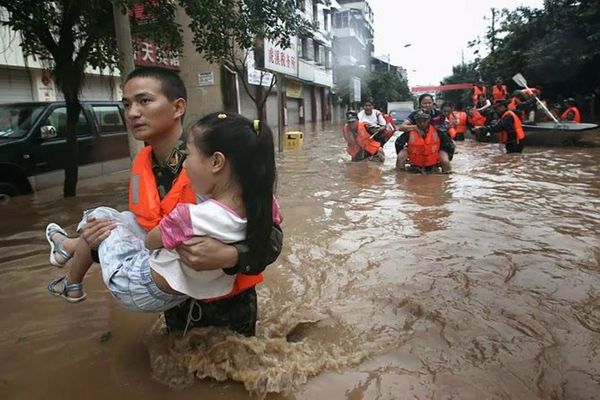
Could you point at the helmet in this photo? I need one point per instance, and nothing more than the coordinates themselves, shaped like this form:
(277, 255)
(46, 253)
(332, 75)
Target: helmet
(351, 116)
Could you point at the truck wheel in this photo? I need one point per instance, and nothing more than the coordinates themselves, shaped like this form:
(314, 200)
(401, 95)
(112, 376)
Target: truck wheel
(8, 190)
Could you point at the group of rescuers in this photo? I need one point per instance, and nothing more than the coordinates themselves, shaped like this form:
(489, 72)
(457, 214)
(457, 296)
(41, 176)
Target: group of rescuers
(426, 143)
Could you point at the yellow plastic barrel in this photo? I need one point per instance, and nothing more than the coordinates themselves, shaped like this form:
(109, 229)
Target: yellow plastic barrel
(293, 139)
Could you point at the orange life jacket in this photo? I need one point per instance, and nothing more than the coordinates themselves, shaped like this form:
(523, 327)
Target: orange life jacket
(461, 121)
(452, 127)
(512, 106)
(476, 119)
(477, 91)
(361, 140)
(575, 110)
(503, 136)
(145, 203)
(499, 93)
(424, 152)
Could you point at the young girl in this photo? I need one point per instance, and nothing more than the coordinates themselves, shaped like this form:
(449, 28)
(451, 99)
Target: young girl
(230, 162)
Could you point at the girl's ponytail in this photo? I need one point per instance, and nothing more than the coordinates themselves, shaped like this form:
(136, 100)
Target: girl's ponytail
(248, 146)
(257, 187)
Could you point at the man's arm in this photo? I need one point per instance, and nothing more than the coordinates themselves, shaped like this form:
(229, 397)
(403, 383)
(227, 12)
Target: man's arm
(503, 124)
(205, 253)
(246, 266)
(407, 126)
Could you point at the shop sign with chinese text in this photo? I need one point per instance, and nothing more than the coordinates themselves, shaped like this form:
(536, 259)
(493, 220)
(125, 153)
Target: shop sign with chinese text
(278, 59)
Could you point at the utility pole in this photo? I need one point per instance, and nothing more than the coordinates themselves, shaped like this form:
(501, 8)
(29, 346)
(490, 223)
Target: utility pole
(126, 64)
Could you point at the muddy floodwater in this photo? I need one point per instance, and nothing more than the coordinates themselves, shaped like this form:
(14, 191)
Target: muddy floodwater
(483, 284)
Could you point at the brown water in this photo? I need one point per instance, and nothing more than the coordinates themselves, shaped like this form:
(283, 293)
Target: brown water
(484, 284)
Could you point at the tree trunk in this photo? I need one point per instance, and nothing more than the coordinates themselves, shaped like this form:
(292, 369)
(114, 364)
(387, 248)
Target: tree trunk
(261, 109)
(72, 156)
(70, 81)
(126, 62)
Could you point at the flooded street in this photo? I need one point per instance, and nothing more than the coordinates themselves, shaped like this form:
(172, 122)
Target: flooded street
(483, 284)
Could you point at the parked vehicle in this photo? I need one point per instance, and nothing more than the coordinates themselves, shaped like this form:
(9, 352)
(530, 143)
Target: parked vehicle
(399, 110)
(33, 140)
(399, 115)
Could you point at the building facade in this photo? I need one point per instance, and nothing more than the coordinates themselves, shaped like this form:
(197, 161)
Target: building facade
(307, 90)
(353, 34)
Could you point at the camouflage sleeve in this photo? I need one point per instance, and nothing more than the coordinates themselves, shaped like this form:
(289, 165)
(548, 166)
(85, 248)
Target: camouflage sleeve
(245, 264)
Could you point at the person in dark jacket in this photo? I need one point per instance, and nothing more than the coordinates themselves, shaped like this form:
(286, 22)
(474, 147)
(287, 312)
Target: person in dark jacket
(509, 128)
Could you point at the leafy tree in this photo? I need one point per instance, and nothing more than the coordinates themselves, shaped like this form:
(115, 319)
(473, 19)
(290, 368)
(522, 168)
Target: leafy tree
(555, 47)
(462, 73)
(68, 36)
(386, 87)
(225, 31)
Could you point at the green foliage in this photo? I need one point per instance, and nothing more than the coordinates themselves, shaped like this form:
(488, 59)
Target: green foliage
(556, 47)
(222, 27)
(386, 87)
(70, 35)
(224, 31)
(383, 87)
(462, 73)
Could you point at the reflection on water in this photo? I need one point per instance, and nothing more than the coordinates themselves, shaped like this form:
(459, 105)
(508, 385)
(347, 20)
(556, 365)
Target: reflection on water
(480, 284)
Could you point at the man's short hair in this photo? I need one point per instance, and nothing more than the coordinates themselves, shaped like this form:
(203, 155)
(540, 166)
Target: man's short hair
(171, 83)
(369, 100)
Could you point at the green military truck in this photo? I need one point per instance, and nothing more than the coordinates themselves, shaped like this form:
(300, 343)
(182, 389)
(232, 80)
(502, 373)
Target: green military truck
(33, 141)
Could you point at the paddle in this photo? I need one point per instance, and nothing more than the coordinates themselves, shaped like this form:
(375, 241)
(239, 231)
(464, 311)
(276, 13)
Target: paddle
(520, 80)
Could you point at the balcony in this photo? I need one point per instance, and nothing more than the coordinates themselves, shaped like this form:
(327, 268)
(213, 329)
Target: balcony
(316, 74)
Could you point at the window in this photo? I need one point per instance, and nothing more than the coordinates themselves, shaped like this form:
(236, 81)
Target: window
(317, 54)
(340, 20)
(303, 48)
(4, 16)
(108, 119)
(58, 119)
(301, 4)
(17, 120)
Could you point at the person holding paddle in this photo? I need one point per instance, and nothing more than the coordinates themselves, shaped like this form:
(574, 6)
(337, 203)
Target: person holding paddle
(509, 128)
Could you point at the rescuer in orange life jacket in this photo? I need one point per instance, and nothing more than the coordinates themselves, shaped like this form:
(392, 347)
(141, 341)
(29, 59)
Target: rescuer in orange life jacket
(499, 91)
(155, 102)
(423, 146)
(509, 128)
(360, 141)
(571, 112)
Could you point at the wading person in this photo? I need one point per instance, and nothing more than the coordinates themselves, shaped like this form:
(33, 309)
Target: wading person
(439, 120)
(461, 124)
(509, 128)
(360, 142)
(375, 120)
(155, 102)
(230, 162)
(421, 147)
(477, 90)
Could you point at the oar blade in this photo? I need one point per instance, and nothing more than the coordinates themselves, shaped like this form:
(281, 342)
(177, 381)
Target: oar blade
(520, 80)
